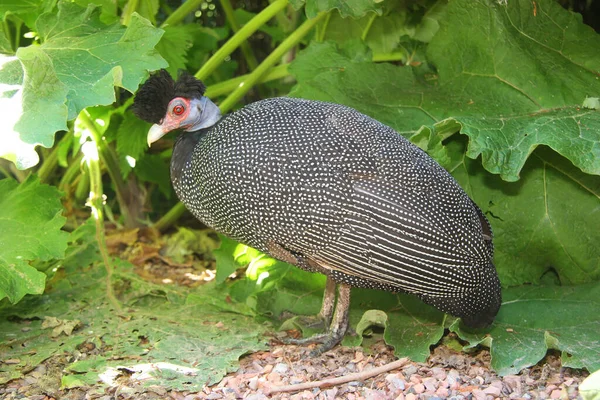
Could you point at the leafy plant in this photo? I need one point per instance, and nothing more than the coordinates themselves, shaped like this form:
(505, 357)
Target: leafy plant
(504, 94)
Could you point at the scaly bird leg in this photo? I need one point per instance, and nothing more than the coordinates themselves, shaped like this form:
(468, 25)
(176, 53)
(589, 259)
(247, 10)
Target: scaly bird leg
(328, 301)
(339, 324)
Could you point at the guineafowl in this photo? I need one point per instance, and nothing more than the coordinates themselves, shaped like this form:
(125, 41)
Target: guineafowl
(330, 190)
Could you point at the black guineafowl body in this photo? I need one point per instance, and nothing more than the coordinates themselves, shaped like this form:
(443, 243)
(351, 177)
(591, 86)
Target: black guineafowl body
(331, 190)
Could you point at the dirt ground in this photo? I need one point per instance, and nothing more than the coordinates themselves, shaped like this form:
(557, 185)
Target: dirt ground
(447, 374)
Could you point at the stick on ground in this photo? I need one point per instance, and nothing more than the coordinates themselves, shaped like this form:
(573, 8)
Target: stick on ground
(359, 376)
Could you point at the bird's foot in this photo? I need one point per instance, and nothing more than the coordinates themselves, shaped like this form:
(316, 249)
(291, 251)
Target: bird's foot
(326, 341)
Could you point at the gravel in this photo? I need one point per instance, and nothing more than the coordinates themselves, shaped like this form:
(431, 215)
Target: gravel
(446, 375)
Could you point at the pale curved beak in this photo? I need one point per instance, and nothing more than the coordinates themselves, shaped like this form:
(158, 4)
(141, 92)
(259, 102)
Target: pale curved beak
(155, 133)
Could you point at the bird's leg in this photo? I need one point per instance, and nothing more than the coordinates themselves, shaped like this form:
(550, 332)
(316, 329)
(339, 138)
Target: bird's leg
(328, 304)
(338, 328)
(339, 324)
(322, 320)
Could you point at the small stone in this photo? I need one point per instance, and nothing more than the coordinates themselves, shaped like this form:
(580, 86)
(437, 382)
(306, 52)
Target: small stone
(400, 397)
(478, 394)
(419, 388)
(257, 396)
(277, 352)
(431, 384)
(513, 382)
(569, 381)
(410, 370)
(214, 396)
(556, 394)
(253, 383)
(274, 377)
(411, 396)
(493, 391)
(550, 388)
(415, 379)
(442, 392)
(281, 368)
(268, 369)
(358, 357)
(438, 373)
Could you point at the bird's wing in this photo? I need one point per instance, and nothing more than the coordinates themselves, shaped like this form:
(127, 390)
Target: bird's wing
(402, 220)
(389, 245)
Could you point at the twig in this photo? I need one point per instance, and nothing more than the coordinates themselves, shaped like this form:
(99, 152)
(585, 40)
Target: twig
(359, 376)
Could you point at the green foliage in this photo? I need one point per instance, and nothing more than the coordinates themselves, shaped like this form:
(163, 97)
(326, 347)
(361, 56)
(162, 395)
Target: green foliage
(350, 8)
(542, 224)
(76, 65)
(30, 223)
(169, 327)
(518, 80)
(534, 319)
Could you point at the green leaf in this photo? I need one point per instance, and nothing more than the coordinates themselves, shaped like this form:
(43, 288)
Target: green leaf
(156, 334)
(30, 223)
(523, 76)
(225, 257)
(78, 64)
(175, 44)
(590, 387)
(385, 33)
(535, 319)
(155, 169)
(352, 8)
(537, 229)
(131, 141)
(517, 85)
(412, 327)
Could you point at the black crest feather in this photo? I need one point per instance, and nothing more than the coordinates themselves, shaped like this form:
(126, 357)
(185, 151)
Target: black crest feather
(153, 97)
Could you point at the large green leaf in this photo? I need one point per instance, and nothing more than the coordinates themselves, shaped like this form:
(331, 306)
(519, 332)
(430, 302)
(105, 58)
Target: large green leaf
(545, 223)
(528, 70)
(520, 83)
(352, 8)
(30, 223)
(535, 319)
(182, 339)
(77, 65)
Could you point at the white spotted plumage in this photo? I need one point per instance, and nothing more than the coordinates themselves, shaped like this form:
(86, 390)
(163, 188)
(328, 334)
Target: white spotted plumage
(338, 188)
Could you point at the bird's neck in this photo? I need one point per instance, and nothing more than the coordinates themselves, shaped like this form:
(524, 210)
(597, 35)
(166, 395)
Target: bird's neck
(208, 114)
(182, 152)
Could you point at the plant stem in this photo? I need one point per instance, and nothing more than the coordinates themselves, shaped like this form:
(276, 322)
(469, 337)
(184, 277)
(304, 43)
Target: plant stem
(396, 56)
(268, 62)
(72, 170)
(240, 37)
(4, 171)
(6, 29)
(365, 32)
(51, 161)
(230, 85)
(170, 217)
(246, 50)
(83, 187)
(182, 11)
(112, 165)
(322, 28)
(96, 203)
(128, 12)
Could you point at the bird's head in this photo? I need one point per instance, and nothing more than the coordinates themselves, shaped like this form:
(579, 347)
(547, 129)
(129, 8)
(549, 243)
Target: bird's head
(170, 104)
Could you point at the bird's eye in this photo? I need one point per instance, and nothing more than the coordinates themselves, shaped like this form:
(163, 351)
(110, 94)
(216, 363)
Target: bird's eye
(178, 109)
